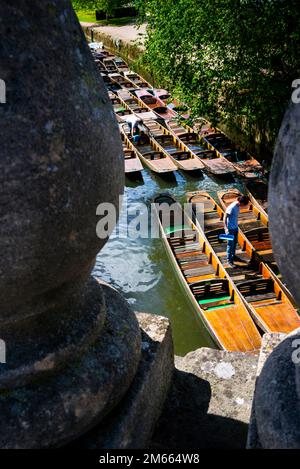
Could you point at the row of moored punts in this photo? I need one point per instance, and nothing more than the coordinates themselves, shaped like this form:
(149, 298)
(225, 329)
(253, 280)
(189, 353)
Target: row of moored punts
(191, 149)
(237, 305)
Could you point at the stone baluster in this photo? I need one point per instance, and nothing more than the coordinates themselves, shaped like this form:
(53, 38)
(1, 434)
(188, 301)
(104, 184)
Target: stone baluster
(276, 409)
(72, 345)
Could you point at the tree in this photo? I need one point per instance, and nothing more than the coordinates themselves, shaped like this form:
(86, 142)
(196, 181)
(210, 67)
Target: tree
(232, 60)
(108, 6)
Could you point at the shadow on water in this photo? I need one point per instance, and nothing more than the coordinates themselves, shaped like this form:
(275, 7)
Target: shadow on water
(134, 180)
(140, 268)
(164, 180)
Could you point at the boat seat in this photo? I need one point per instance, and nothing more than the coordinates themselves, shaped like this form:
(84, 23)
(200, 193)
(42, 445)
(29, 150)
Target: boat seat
(257, 289)
(154, 155)
(225, 301)
(259, 238)
(210, 291)
(262, 296)
(205, 270)
(181, 155)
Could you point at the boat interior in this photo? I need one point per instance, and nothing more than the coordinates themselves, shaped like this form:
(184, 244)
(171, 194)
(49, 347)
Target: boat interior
(252, 278)
(210, 288)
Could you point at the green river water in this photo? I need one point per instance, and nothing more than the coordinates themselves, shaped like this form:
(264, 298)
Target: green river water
(141, 270)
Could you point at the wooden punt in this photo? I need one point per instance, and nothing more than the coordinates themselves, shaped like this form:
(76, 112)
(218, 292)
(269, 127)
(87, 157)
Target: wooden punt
(121, 65)
(106, 78)
(181, 156)
(122, 68)
(154, 104)
(209, 158)
(112, 85)
(258, 193)
(131, 103)
(243, 162)
(104, 53)
(162, 95)
(119, 107)
(132, 106)
(110, 65)
(122, 81)
(137, 80)
(204, 280)
(262, 291)
(149, 153)
(132, 161)
(255, 226)
(204, 127)
(101, 66)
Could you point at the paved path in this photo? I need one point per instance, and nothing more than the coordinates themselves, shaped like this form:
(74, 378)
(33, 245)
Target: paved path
(128, 33)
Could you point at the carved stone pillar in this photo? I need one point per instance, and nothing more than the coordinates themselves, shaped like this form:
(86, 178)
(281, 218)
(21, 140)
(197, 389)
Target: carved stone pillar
(276, 405)
(70, 356)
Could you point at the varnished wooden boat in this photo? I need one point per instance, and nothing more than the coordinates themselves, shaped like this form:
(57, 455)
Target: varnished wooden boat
(244, 163)
(110, 65)
(162, 95)
(261, 290)
(121, 80)
(249, 215)
(254, 224)
(150, 153)
(154, 104)
(131, 159)
(105, 78)
(209, 158)
(204, 280)
(121, 65)
(119, 107)
(169, 144)
(131, 103)
(137, 80)
(204, 127)
(100, 65)
(257, 191)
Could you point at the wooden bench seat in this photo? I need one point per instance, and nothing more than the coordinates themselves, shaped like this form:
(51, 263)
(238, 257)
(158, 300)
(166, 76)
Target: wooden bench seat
(260, 297)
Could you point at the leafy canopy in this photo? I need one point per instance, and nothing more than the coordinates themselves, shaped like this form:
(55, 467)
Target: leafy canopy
(231, 60)
(108, 6)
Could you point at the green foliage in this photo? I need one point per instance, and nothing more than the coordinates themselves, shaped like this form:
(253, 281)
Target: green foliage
(106, 5)
(228, 59)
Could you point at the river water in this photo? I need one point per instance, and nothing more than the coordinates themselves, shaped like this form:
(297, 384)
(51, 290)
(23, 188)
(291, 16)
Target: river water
(140, 268)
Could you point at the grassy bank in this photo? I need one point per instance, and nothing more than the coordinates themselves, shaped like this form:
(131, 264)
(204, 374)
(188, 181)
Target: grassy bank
(89, 16)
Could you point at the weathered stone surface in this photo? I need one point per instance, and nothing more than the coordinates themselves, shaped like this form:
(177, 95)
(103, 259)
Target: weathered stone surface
(61, 156)
(269, 342)
(132, 422)
(54, 410)
(209, 403)
(73, 346)
(277, 397)
(284, 195)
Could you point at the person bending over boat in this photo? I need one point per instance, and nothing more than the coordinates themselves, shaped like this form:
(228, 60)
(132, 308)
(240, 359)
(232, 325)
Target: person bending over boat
(232, 227)
(133, 123)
